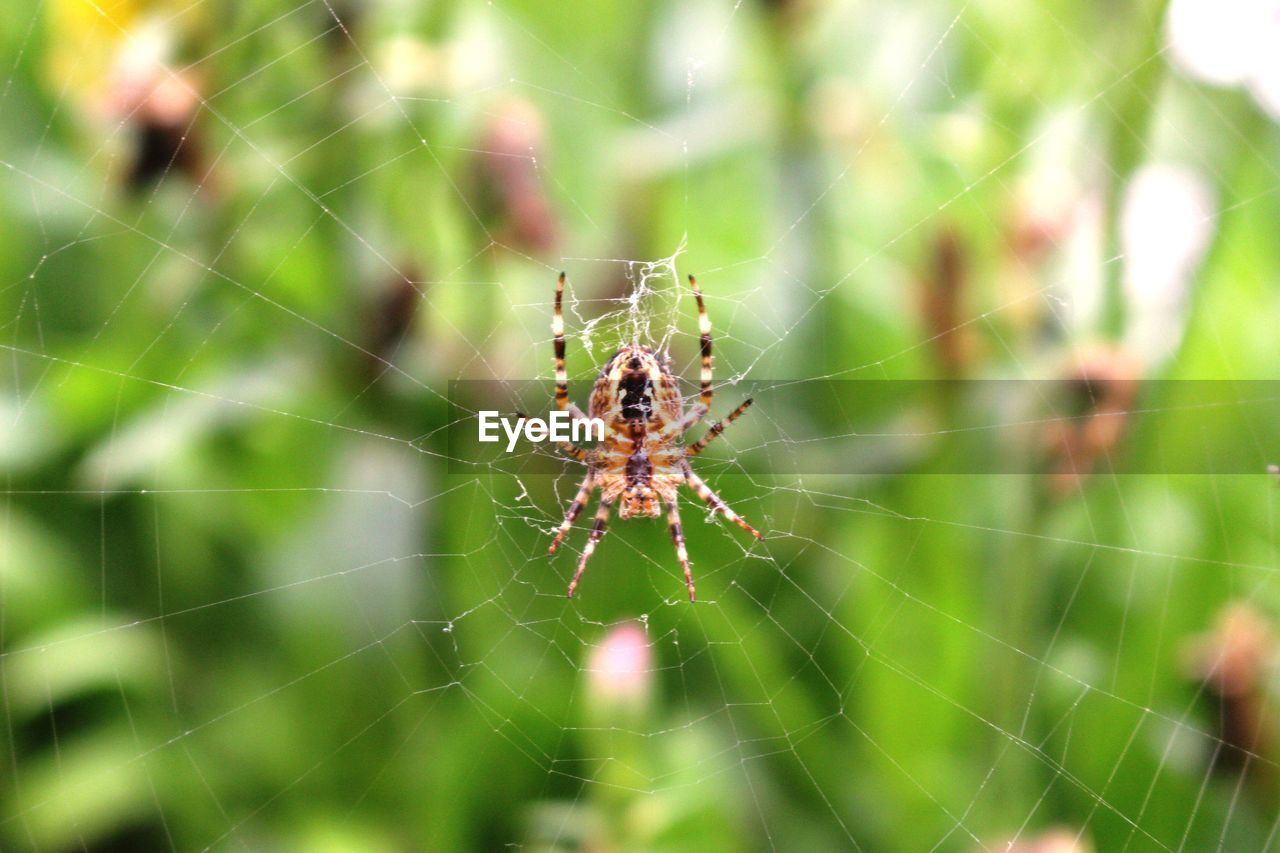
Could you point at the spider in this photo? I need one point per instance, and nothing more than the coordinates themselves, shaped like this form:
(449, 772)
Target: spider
(641, 462)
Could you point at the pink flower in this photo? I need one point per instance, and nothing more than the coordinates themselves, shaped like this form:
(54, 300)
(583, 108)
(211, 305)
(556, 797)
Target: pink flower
(620, 669)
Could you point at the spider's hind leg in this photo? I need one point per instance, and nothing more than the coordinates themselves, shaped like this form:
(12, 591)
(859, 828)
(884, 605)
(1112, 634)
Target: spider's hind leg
(703, 406)
(562, 377)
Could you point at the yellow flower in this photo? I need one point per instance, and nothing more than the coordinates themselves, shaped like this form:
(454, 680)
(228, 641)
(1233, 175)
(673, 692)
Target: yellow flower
(93, 44)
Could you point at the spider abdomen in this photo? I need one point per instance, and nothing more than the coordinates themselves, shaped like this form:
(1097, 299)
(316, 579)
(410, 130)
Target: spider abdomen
(635, 386)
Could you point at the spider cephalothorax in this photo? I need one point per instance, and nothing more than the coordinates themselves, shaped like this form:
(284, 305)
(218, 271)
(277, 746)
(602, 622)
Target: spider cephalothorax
(642, 461)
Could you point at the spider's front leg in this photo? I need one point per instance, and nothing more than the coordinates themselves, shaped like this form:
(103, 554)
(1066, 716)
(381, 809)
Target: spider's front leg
(575, 509)
(597, 530)
(716, 502)
(677, 536)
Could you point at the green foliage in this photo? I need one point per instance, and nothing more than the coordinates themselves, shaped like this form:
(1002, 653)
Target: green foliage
(248, 598)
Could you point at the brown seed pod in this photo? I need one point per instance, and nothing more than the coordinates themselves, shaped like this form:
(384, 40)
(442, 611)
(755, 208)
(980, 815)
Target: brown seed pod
(1105, 381)
(1233, 661)
(513, 200)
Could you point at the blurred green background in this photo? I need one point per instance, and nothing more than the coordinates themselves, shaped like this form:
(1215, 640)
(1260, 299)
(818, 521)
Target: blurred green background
(247, 601)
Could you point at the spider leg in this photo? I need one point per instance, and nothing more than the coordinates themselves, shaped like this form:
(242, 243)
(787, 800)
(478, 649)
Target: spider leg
(677, 536)
(699, 411)
(562, 377)
(575, 509)
(716, 503)
(717, 428)
(597, 530)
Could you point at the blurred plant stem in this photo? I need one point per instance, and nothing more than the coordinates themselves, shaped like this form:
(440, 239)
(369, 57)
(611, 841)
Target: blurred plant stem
(1131, 107)
(1020, 606)
(626, 776)
(809, 250)
(640, 206)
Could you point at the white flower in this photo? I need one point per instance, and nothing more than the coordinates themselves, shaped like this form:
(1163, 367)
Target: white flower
(1165, 227)
(1264, 82)
(1229, 43)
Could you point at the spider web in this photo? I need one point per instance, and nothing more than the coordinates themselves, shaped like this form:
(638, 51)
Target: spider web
(250, 599)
